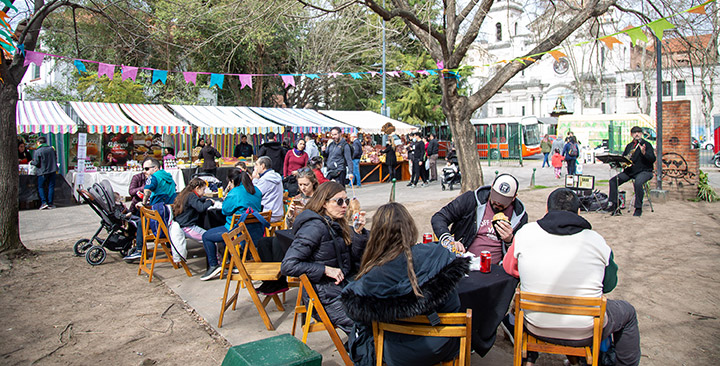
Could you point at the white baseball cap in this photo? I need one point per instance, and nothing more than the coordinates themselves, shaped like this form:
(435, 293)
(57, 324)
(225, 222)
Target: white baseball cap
(504, 189)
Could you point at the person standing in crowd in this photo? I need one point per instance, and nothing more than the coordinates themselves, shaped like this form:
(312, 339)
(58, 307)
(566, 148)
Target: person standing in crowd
(338, 157)
(208, 154)
(316, 164)
(295, 159)
(357, 152)
(24, 156)
(433, 149)
(45, 160)
(242, 195)
(546, 149)
(558, 144)
(243, 149)
(418, 161)
(390, 158)
(561, 255)
(642, 156)
(269, 182)
(571, 151)
(273, 150)
(399, 278)
(311, 146)
(327, 249)
(159, 188)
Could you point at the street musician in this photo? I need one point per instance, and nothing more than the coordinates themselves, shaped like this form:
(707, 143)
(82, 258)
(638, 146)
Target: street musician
(642, 155)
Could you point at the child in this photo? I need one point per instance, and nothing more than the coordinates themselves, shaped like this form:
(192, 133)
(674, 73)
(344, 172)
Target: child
(557, 160)
(189, 204)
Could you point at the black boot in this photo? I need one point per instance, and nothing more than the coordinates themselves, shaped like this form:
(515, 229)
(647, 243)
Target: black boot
(638, 212)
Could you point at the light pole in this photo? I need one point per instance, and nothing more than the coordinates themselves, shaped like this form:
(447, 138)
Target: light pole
(383, 108)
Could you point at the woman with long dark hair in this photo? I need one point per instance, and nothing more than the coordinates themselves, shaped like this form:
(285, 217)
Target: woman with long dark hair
(327, 249)
(241, 196)
(399, 279)
(189, 204)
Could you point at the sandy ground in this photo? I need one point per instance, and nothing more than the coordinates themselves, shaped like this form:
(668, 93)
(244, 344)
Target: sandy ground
(60, 310)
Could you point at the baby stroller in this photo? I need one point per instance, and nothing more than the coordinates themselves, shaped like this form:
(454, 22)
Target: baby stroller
(451, 172)
(101, 199)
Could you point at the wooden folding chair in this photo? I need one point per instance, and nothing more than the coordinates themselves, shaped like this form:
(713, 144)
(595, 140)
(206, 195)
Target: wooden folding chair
(570, 305)
(249, 245)
(311, 325)
(248, 272)
(161, 240)
(457, 325)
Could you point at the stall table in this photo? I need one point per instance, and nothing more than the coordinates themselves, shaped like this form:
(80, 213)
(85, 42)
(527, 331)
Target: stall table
(120, 181)
(29, 197)
(372, 172)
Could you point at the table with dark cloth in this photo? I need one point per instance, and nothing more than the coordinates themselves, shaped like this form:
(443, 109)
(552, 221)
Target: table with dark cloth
(221, 174)
(29, 198)
(286, 238)
(213, 217)
(489, 296)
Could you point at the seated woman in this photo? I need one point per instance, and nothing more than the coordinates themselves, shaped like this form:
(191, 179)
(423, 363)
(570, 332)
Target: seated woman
(241, 196)
(190, 203)
(399, 279)
(316, 164)
(327, 249)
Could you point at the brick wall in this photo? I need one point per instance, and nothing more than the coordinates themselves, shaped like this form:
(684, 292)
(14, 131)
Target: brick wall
(680, 162)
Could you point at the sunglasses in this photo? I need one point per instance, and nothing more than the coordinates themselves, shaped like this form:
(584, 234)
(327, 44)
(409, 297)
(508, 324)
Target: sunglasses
(340, 201)
(148, 168)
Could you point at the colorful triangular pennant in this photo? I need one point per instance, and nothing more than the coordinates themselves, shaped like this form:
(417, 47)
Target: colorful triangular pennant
(129, 72)
(557, 54)
(409, 73)
(217, 79)
(245, 80)
(159, 75)
(636, 34)
(659, 26)
(80, 66)
(107, 70)
(609, 41)
(190, 77)
(355, 75)
(700, 9)
(288, 80)
(33, 57)
(9, 4)
(312, 76)
(335, 74)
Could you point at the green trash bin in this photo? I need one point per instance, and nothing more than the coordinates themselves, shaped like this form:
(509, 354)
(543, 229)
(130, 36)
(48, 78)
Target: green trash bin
(284, 350)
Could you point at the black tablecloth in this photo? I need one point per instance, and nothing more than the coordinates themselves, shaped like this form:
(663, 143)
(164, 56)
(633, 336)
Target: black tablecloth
(29, 198)
(213, 217)
(489, 296)
(221, 174)
(285, 237)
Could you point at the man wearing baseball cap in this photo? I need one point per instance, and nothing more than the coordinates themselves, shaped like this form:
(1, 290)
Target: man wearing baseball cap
(467, 221)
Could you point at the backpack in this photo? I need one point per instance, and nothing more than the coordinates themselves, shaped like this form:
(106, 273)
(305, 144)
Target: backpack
(573, 151)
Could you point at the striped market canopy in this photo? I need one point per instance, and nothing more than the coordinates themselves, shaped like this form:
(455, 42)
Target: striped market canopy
(369, 121)
(261, 125)
(155, 118)
(298, 122)
(104, 118)
(42, 117)
(208, 120)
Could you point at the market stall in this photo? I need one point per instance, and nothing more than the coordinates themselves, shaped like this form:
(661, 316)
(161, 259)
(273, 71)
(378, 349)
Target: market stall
(369, 121)
(372, 172)
(119, 179)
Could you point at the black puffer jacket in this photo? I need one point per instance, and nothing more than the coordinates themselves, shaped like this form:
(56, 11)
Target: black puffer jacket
(275, 152)
(315, 247)
(385, 294)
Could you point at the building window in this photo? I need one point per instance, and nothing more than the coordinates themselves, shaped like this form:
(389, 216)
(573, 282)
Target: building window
(499, 111)
(632, 90)
(523, 110)
(515, 29)
(602, 108)
(680, 84)
(498, 32)
(36, 72)
(666, 89)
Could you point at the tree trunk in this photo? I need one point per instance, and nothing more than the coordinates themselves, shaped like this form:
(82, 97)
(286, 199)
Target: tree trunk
(9, 230)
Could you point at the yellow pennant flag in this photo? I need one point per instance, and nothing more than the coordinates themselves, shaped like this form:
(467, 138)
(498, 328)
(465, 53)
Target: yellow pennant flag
(609, 41)
(557, 54)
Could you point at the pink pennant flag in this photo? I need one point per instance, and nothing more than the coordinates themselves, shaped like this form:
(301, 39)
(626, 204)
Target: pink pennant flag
(245, 80)
(440, 65)
(394, 73)
(373, 73)
(33, 57)
(190, 77)
(129, 72)
(334, 74)
(288, 80)
(107, 70)
(423, 72)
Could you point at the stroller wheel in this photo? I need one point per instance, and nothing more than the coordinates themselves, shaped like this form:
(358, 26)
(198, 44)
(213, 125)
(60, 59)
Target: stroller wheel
(443, 187)
(125, 251)
(81, 246)
(95, 255)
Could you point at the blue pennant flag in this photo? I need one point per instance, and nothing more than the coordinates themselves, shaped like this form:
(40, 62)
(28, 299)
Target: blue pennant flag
(409, 73)
(432, 72)
(312, 76)
(217, 79)
(80, 66)
(159, 75)
(355, 75)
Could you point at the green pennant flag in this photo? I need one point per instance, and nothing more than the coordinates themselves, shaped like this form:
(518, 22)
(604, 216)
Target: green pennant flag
(636, 34)
(659, 26)
(9, 4)
(8, 48)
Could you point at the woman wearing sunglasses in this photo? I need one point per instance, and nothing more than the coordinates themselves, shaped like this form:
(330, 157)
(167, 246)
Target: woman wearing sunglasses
(327, 249)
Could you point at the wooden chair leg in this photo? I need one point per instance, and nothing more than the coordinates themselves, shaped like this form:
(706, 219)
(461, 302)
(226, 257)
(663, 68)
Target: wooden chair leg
(308, 321)
(260, 307)
(222, 265)
(335, 337)
(223, 304)
(519, 341)
(152, 264)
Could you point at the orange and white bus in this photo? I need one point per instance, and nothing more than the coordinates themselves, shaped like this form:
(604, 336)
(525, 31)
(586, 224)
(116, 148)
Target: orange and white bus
(507, 137)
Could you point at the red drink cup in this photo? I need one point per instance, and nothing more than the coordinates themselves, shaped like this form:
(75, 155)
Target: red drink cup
(427, 238)
(485, 261)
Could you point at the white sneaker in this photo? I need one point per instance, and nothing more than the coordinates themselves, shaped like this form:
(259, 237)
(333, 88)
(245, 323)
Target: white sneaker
(44, 206)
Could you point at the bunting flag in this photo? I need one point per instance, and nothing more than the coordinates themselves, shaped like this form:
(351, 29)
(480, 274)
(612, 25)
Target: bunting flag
(530, 59)
(423, 72)
(394, 73)
(5, 24)
(312, 76)
(409, 73)
(700, 9)
(245, 80)
(9, 4)
(288, 80)
(334, 74)
(129, 72)
(431, 72)
(217, 79)
(373, 73)
(557, 54)
(80, 66)
(609, 41)
(190, 77)
(7, 47)
(355, 75)
(107, 70)
(636, 34)
(34, 58)
(659, 26)
(3, 15)
(159, 75)
(440, 65)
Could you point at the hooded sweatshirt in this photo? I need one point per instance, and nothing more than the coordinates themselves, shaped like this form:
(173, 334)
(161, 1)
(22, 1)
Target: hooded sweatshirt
(271, 187)
(162, 188)
(274, 151)
(560, 254)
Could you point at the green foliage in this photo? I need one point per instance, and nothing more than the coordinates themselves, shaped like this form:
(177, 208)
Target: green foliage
(705, 191)
(101, 89)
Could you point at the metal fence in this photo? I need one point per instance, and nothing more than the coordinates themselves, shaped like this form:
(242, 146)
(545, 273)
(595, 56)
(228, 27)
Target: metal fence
(706, 158)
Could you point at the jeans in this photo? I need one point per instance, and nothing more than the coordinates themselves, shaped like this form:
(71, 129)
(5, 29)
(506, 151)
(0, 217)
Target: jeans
(50, 180)
(210, 240)
(417, 171)
(545, 159)
(639, 183)
(571, 166)
(356, 172)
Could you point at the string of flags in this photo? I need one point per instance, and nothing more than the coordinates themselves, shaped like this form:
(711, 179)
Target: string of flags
(636, 34)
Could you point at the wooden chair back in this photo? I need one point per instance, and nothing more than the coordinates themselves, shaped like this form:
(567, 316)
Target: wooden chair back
(568, 305)
(161, 240)
(247, 272)
(454, 325)
(249, 244)
(311, 325)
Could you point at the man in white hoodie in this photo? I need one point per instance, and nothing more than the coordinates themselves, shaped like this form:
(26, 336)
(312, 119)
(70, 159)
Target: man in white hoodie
(269, 182)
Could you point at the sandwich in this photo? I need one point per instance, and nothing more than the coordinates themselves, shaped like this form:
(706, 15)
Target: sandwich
(500, 217)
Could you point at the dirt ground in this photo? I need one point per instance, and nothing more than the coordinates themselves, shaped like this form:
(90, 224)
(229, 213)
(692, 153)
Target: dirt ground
(57, 309)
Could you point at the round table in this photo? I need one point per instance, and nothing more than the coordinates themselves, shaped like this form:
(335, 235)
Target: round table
(489, 296)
